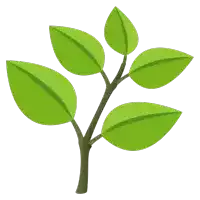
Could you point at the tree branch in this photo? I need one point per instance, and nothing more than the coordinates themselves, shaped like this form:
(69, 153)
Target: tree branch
(121, 70)
(95, 139)
(77, 129)
(105, 78)
(122, 78)
(109, 90)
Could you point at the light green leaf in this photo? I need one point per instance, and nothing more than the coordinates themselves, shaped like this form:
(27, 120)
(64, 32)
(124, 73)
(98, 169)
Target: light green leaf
(120, 33)
(42, 94)
(136, 126)
(77, 51)
(157, 67)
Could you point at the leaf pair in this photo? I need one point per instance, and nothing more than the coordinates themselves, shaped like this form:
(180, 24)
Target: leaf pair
(80, 53)
(153, 68)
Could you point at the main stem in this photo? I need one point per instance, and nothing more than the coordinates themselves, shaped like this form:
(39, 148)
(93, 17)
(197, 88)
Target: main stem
(85, 146)
(85, 139)
(108, 92)
(83, 178)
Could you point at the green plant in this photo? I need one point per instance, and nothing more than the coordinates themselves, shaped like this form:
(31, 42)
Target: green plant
(46, 97)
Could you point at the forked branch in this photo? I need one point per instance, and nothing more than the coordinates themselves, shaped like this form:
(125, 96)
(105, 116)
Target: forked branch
(95, 139)
(77, 129)
(122, 78)
(121, 70)
(105, 78)
(104, 100)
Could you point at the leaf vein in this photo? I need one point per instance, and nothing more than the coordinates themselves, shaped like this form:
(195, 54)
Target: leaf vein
(157, 62)
(124, 31)
(46, 88)
(81, 47)
(139, 118)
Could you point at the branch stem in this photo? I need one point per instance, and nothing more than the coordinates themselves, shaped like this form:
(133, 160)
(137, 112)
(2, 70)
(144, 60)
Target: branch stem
(109, 90)
(121, 70)
(105, 78)
(83, 177)
(78, 130)
(96, 117)
(95, 139)
(122, 78)
(84, 142)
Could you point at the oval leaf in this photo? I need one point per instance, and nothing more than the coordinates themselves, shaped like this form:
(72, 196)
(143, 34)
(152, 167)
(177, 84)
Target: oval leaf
(136, 126)
(77, 51)
(157, 67)
(120, 33)
(42, 94)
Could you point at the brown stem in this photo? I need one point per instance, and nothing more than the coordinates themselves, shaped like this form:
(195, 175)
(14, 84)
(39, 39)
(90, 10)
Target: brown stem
(83, 178)
(95, 139)
(84, 142)
(106, 96)
(97, 115)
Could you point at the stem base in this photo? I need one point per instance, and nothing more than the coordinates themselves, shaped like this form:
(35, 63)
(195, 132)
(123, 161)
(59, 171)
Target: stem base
(83, 178)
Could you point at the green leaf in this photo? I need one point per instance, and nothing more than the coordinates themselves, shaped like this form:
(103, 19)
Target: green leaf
(42, 94)
(77, 51)
(136, 126)
(120, 33)
(157, 67)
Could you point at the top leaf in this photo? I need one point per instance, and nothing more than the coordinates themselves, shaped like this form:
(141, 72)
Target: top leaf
(77, 51)
(120, 33)
(157, 67)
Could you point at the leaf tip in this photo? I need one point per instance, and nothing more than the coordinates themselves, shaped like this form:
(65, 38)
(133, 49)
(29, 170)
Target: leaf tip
(8, 62)
(179, 113)
(191, 57)
(51, 28)
(115, 8)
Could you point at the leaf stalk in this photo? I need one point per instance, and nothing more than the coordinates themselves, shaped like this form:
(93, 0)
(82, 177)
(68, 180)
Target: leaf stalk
(78, 130)
(105, 78)
(95, 139)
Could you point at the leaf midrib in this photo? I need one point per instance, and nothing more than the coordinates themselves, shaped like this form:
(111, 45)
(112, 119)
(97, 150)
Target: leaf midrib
(124, 31)
(45, 87)
(80, 46)
(139, 118)
(150, 64)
